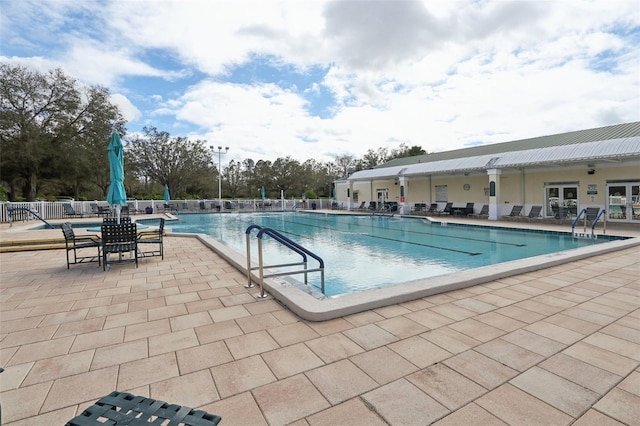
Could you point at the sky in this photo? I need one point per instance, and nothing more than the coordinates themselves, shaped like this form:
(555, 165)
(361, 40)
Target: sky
(315, 79)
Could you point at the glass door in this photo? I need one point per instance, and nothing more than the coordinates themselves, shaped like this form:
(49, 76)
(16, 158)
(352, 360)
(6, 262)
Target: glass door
(383, 197)
(633, 207)
(623, 202)
(562, 200)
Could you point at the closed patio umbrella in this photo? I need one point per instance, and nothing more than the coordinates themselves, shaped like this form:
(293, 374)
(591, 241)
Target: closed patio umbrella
(117, 195)
(166, 193)
(262, 193)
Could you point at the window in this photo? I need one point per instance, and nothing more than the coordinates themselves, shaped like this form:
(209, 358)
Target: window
(442, 194)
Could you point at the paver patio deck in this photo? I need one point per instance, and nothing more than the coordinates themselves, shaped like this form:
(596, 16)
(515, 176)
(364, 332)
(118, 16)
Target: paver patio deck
(554, 346)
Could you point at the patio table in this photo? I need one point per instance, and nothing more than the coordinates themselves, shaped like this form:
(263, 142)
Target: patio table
(122, 408)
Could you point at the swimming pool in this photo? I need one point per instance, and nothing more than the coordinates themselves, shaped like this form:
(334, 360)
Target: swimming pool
(363, 252)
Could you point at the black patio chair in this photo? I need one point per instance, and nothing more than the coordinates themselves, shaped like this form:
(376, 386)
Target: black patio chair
(152, 237)
(74, 243)
(122, 408)
(119, 239)
(114, 220)
(562, 214)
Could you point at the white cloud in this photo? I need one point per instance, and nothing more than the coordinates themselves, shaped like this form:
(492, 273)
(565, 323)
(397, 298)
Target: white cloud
(440, 74)
(128, 109)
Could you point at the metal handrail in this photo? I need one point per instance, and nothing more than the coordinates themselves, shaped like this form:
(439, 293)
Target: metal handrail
(578, 216)
(10, 212)
(583, 212)
(302, 251)
(603, 212)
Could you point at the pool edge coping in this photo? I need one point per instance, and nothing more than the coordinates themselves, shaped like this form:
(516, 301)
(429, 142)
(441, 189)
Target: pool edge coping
(312, 309)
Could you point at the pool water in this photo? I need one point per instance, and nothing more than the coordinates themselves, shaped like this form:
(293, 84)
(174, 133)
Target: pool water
(362, 252)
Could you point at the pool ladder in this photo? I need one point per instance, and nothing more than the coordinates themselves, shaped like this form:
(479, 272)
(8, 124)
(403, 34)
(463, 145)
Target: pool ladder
(302, 251)
(583, 234)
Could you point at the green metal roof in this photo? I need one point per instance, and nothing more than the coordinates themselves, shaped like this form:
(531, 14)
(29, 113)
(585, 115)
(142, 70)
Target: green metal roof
(600, 134)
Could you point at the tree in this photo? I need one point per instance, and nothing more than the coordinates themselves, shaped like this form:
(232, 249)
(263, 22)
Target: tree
(248, 178)
(262, 177)
(233, 174)
(374, 158)
(47, 122)
(345, 165)
(184, 165)
(285, 172)
(415, 150)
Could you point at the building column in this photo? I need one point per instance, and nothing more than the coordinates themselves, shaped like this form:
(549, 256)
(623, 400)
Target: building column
(494, 193)
(350, 195)
(403, 207)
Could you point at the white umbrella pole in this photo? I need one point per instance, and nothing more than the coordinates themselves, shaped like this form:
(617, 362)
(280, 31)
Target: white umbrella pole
(118, 207)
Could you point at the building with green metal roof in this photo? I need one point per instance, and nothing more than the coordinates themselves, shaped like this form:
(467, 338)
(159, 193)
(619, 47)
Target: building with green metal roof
(563, 173)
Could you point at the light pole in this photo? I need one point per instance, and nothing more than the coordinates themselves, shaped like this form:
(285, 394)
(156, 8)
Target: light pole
(226, 149)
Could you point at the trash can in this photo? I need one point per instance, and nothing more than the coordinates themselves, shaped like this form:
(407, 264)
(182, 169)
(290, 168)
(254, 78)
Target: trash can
(313, 206)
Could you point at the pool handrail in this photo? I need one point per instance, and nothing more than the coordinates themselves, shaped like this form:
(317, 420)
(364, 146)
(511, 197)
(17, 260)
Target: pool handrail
(11, 210)
(302, 251)
(583, 212)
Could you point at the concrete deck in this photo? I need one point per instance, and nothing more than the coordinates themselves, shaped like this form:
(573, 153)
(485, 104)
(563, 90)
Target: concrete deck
(555, 346)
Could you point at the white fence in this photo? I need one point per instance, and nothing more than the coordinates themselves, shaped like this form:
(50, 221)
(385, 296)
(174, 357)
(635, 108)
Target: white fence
(56, 209)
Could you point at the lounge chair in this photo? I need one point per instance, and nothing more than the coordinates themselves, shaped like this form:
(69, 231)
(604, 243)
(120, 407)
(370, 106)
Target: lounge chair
(433, 208)
(446, 210)
(484, 212)
(100, 210)
(119, 239)
(592, 213)
(534, 213)
(69, 211)
(419, 208)
(373, 205)
(516, 212)
(75, 243)
(168, 207)
(152, 237)
(362, 206)
(465, 211)
(132, 208)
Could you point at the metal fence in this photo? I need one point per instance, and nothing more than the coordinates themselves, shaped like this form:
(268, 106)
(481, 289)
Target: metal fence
(25, 211)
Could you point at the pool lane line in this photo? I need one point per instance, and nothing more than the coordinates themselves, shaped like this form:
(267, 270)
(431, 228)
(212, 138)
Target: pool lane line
(410, 232)
(444, 236)
(470, 253)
